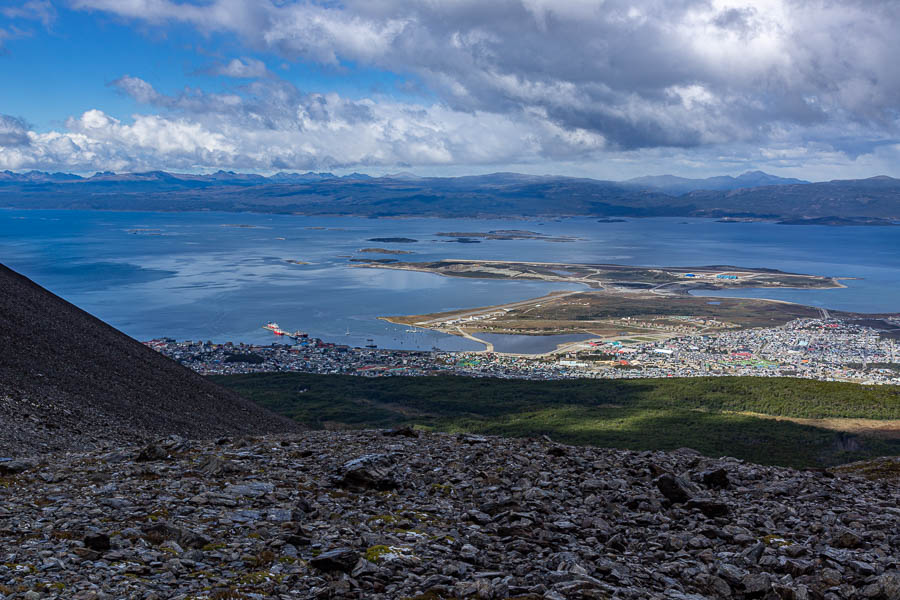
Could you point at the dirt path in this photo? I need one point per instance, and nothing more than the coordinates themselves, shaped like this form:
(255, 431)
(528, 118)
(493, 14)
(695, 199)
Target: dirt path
(488, 347)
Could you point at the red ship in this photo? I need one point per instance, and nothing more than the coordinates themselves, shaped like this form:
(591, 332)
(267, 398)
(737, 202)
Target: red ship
(277, 330)
(274, 328)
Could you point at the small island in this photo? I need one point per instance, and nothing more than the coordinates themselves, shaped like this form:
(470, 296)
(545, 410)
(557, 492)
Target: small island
(393, 240)
(840, 221)
(383, 251)
(463, 240)
(378, 261)
(505, 234)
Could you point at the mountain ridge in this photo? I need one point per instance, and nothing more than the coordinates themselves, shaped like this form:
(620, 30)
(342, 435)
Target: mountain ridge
(874, 200)
(672, 184)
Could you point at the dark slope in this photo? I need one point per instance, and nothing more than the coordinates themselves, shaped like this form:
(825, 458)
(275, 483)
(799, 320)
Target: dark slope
(68, 380)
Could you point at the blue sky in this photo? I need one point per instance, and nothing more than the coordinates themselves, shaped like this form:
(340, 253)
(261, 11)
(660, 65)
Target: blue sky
(81, 53)
(610, 89)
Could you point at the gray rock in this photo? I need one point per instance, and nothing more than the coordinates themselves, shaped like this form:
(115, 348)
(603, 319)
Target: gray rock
(710, 508)
(516, 522)
(675, 489)
(372, 471)
(756, 584)
(16, 466)
(97, 541)
(845, 538)
(339, 559)
(890, 584)
(715, 478)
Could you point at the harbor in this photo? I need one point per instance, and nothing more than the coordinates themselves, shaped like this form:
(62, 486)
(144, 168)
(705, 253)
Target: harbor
(863, 352)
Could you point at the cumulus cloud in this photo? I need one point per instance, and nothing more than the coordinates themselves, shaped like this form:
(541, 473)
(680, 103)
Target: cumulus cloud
(271, 125)
(641, 74)
(13, 132)
(614, 88)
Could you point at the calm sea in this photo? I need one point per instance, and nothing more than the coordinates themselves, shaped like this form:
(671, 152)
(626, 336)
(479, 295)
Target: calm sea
(221, 276)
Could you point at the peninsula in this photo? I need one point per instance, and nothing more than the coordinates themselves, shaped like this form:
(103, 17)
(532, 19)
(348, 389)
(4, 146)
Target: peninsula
(620, 302)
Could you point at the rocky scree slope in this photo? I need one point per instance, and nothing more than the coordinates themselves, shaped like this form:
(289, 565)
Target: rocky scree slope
(402, 515)
(68, 380)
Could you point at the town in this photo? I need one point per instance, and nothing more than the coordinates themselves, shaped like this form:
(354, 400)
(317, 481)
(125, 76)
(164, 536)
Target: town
(822, 349)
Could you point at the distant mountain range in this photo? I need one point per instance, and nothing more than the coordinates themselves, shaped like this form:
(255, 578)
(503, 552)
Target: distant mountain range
(220, 177)
(753, 195)
(670, 184)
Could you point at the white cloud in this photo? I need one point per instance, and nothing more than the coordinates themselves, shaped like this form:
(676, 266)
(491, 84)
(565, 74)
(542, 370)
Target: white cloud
(270, 125)
(242, 68)
(13, 132)
(274, 126)
(612, 89)
(606, 67)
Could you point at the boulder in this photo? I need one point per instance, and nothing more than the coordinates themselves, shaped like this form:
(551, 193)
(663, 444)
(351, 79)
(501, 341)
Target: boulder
(368, 472)
(339, 559)
(98, 542)
(675, 489)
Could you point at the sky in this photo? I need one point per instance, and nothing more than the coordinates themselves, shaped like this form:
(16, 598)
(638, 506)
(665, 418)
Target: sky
(609, 89)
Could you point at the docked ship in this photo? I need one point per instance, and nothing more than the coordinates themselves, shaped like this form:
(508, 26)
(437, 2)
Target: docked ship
(274, 328)
(277, 330)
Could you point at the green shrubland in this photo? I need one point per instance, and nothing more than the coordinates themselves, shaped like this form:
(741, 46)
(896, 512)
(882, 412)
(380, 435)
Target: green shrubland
(641, 414)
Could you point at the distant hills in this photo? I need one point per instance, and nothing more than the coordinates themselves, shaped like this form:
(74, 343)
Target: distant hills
(69, 381)
(670, 184)
(753, 195)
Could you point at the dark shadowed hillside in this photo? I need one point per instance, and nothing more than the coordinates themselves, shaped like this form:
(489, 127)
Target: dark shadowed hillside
(68, 380)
